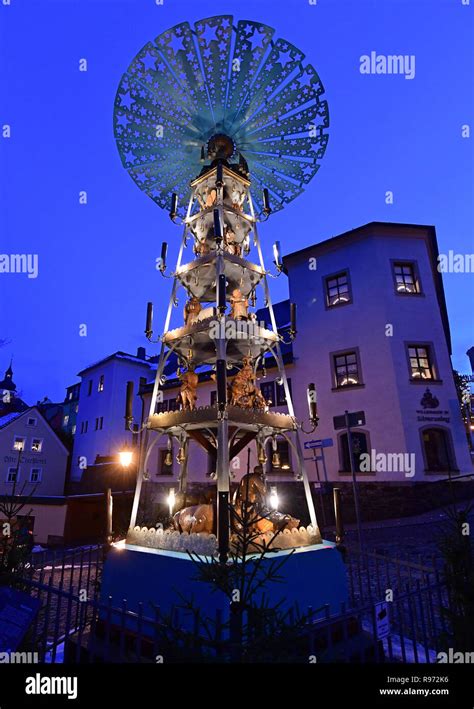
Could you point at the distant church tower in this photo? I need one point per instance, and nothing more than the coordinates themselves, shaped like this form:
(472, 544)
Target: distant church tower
(9, 400)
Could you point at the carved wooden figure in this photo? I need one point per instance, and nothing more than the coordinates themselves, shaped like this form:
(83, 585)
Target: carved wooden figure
(239, 305)
(187, 394)
(191, 311)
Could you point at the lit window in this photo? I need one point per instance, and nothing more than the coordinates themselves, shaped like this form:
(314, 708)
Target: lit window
(73, 429)
(37, 445)
(35, 475)
(66, 420)
(12, 475)
(421, 365)
(100, 386)
(337, 289)
(268, 392)
(405, 278)
(346, 369)
(19, 443)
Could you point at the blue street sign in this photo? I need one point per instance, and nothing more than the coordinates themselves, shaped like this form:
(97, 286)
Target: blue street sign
(319, 443)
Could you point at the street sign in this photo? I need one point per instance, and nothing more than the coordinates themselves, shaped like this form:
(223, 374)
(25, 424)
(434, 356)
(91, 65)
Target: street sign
(319, 443)
(356, 418)
(382, 622)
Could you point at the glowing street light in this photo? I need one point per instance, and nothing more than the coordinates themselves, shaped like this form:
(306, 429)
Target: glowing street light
(125, 457)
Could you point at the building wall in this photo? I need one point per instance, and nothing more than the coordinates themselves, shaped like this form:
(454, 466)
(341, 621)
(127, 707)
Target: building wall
(52, 459)
(49, 521)
(109, 405)
(390, 400)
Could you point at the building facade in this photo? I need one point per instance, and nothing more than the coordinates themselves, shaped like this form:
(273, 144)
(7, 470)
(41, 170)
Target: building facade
(100, 424)
(373, 334)
(34, 459)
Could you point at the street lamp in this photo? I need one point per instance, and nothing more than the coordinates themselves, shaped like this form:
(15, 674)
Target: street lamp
(125, 456)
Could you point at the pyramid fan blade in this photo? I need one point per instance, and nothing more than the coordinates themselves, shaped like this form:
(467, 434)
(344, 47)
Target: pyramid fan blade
(220, 77)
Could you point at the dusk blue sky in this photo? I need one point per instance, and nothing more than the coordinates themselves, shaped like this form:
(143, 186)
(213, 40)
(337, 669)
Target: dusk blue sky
(97, 262)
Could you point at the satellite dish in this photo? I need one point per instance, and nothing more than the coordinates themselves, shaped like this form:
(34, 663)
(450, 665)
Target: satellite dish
(196, 94)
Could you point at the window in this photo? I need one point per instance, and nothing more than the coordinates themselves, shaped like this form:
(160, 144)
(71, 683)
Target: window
(89, 388)
(66, 420)
(338, 289)
(173, 405)
(346, 369)
(31, 421)
(161, 407)
(437, 450)
(164, 469)
(76, 408)
(36, 445)
(19, 443)
(100, 386)
(406, 278)
(73, 429)
(70, 396)
(12, 475)
(35, 475)
(213, 398)
(99, 423)
(421, 362)
(280, 393)
(268, 392)
(359, 446)
(84, 427)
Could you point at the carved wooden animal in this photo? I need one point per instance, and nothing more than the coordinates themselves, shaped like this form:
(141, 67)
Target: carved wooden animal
(194, 519)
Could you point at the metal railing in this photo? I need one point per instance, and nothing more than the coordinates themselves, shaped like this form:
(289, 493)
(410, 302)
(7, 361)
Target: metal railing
(75, 624)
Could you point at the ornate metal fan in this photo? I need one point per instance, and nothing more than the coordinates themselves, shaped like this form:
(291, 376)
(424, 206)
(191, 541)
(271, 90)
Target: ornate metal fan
(191, 84)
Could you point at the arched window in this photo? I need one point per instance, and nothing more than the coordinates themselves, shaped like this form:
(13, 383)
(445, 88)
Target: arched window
(360, 445)
(438, 449)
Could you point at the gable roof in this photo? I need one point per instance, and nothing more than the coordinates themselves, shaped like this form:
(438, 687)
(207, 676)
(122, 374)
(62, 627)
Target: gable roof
(15, 416)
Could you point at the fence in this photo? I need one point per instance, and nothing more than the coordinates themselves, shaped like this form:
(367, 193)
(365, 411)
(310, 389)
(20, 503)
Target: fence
(395, 613)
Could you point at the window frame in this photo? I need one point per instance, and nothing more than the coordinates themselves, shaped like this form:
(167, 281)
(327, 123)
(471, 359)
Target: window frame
(40, 479)
(431, 356)
(340, 353)
(271, 384)
(340, 437)
(17, 470)
(416, 277)
(41, 441)
(451, 450)
(337, 274)
(17, 450)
